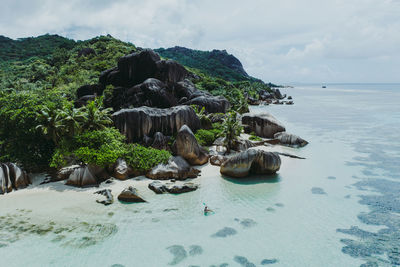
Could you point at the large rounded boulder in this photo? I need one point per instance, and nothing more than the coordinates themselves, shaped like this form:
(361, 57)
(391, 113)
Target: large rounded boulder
(290, 139)
(12, 177)
(135, 68)
(251, 161)
(263, 124)
(137, 123)
(87, 175)
(188, 148)
(176, 168)
(151, 93)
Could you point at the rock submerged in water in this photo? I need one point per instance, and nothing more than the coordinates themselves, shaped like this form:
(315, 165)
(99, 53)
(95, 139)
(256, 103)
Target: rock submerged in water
(290, 139)
(137, 123)
(130, 195)
(176, 168)
(251, 161)
(109, 197)
(263, 124)
(172, 188)
(12, 177)
(188, 148)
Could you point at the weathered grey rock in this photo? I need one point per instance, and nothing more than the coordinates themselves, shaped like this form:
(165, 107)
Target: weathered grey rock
(131, 195)
(109, 197)
(87, 175)
(151, 93)
(241, 144)
(172, 188)
(135, 68)
(264, 95)
(185, 89)
(137, 122)
(278, 94)
(121, 170)
(212, 104)
(147, 141)
(90, 89)
(263, 124)
(290, 139)
(65, 172)
(217, 160)
(188, 148)
(84, 100)
(12, 177)
(160, 141)
(176, 168)
(5, 181)
(249, 162)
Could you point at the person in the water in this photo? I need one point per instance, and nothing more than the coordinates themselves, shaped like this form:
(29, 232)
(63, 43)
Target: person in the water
(206, 209)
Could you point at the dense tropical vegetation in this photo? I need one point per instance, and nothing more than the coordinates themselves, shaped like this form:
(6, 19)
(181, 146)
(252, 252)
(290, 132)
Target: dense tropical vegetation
(40, 126)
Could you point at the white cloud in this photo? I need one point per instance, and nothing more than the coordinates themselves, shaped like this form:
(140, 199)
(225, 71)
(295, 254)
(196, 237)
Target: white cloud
(278, 41)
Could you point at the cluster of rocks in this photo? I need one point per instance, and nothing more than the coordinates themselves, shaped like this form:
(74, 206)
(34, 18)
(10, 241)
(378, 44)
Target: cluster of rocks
(143, 79)
(188, 152)
(273, 97)
(12, 178)
(267, 126)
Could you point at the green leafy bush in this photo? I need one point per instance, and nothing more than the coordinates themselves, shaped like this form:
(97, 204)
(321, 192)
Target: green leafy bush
(205, 137)
(255, 138)
(143, 159)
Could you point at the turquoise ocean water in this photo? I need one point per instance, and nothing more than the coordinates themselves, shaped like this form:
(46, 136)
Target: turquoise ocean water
(338, 207)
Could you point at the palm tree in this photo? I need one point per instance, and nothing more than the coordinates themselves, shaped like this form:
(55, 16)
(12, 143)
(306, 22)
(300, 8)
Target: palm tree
(231, 130)
(94, 116)
(51, 123)
(73, 119)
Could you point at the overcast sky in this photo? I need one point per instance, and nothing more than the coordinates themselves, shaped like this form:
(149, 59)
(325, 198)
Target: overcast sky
(280, 41)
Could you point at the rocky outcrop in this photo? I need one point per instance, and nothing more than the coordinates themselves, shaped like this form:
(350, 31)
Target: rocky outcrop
(212, 104)
(143, 79)
(84, 100)
(12, 177)
(135, 68)
(86, 175)
(241, 144)
(64, 173)
(151, 93)
(263, 124)
(217, 160)
(176, 168)
(130, 195)
(109, 199)
(290, 139)
(251, 162)
(172, 188)
(90, 89)
(187, 147)
(121, 170)
(136, 123)
(160, 141)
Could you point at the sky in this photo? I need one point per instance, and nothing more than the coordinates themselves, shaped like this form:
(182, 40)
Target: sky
(280, 41)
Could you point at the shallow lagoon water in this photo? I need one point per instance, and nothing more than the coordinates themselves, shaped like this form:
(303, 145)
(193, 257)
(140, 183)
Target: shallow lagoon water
(299, 217)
